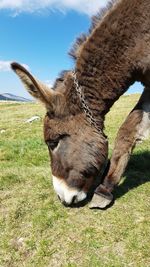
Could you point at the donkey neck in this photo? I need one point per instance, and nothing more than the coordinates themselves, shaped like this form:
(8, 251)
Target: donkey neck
(102, 87)
(106, 60)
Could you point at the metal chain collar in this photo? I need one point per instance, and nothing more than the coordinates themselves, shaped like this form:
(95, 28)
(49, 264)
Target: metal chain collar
(85, 106)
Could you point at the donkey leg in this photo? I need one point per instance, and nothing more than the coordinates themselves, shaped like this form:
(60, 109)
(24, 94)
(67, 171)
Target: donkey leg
(135, 128)
(124, 144)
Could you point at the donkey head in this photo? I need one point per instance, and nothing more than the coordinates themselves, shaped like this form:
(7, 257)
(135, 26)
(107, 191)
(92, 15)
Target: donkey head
(77, 151)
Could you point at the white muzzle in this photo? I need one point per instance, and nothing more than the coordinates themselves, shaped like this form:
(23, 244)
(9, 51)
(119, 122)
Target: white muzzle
(67, 194)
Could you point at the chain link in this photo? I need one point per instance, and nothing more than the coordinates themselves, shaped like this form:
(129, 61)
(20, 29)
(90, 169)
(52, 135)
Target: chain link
(85, 106)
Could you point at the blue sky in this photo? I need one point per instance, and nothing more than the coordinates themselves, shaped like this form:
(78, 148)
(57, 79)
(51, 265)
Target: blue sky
(40, 35)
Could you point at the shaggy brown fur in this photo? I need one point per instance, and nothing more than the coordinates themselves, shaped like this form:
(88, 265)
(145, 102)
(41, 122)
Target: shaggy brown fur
(134, 130)
(94, 23)
(114, 55)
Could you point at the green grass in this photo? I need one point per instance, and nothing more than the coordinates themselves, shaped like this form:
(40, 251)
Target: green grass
(36, 230)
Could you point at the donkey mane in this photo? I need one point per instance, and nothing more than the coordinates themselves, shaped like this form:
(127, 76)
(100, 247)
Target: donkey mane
(73, 53)
(95, 20)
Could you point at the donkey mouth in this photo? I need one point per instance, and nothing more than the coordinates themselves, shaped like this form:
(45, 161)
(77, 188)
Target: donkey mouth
(76, 204)
(67, 195)
(74, 198)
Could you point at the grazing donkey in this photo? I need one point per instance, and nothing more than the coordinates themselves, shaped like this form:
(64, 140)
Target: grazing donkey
(114, 55)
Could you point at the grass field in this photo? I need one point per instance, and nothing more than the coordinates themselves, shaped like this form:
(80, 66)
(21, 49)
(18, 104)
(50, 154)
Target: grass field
(36, 230)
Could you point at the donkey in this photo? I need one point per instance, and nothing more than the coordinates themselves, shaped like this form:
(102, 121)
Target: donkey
(109, 59)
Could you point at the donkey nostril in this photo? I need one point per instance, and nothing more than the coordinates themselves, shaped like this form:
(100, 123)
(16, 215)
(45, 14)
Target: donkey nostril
(74, 200)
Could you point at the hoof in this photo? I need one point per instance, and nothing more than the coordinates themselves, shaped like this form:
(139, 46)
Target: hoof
(101, 201)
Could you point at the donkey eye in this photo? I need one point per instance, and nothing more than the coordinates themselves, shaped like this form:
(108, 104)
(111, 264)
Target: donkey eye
(52, 144)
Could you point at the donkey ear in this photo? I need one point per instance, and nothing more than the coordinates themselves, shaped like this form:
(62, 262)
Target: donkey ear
(37, 89)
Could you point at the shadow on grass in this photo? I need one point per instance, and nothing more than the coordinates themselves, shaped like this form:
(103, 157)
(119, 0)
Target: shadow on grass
(136, 174)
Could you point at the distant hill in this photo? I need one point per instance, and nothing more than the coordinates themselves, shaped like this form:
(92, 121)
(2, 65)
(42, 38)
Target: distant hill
(11, 97)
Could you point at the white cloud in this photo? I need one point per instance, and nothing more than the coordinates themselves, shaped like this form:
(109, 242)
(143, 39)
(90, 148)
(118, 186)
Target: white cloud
(5, 66)
(88, 7)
